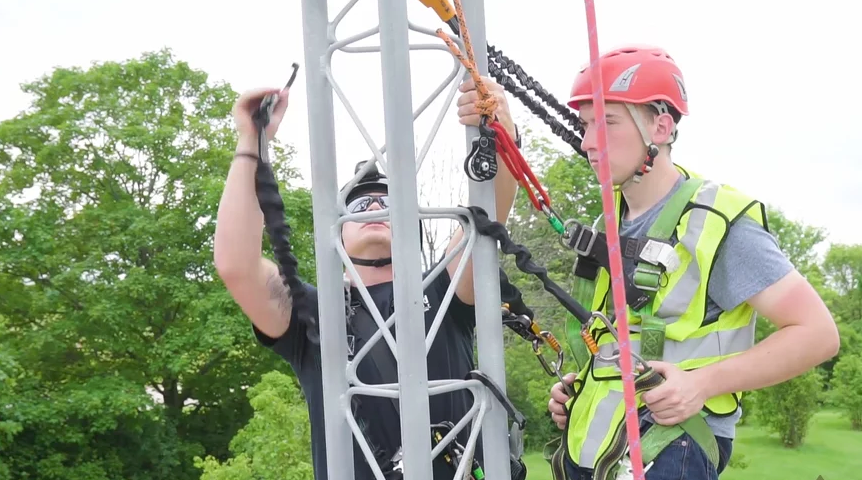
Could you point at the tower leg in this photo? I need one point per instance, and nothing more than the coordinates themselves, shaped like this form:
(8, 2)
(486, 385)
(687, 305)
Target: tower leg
(406, 255)
(333, 333)
(489, 327)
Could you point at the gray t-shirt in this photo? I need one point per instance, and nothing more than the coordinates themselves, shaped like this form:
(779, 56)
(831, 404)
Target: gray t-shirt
(749, 261)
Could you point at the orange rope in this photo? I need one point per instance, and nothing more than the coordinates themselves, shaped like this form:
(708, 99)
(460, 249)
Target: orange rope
(487, 104)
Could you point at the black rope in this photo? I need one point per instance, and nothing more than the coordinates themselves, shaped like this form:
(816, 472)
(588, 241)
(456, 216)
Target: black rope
(275, 222)
(499, 65)
(523, 261)
(531, 84)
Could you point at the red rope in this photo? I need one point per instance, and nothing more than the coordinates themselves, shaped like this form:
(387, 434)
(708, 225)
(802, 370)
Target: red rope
(519, 167)
(616, 264)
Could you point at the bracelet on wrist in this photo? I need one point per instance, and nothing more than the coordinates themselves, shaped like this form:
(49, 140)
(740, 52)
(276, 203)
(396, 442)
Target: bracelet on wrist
(246, 155)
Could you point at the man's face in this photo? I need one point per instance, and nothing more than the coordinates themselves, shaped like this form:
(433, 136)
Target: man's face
(371, 240)
(626, 148)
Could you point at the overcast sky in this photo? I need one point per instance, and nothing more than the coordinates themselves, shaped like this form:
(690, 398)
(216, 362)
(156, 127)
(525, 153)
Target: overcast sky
(772, 87)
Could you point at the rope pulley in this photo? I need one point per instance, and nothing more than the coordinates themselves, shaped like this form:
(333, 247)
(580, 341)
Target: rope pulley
(481, 163)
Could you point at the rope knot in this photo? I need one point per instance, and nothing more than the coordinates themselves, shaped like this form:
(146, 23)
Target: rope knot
(487, 105)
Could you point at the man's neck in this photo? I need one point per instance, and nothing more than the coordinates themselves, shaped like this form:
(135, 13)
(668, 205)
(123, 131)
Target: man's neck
(653, 186)
(374, 275)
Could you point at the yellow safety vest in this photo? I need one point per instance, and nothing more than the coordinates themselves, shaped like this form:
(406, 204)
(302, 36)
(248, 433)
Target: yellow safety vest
(597, 409)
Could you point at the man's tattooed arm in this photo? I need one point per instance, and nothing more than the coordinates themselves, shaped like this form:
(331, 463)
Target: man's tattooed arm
(279, 293)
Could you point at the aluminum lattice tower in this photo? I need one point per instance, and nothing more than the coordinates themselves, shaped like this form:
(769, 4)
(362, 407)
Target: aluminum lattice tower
(339, 379)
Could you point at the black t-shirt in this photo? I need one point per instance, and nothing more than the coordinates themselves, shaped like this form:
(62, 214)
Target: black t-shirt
(450, 357)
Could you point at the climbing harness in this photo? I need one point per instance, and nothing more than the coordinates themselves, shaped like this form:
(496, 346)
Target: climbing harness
(454, 452)
(654, 256)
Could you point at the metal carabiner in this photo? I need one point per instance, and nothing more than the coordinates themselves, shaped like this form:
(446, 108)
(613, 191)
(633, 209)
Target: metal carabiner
(552, 368)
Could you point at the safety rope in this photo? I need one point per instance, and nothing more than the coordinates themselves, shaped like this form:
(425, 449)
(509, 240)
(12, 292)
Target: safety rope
(614, 252)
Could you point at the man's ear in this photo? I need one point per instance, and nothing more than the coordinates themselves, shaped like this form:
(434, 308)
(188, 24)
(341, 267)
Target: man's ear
(663, 127)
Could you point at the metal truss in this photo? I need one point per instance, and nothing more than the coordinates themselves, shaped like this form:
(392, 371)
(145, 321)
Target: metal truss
(340, 382)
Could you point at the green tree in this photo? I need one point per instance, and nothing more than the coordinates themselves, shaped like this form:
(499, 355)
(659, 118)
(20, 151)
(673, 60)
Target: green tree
(787, 408)
(847, 388)
(130, 356)
(276, 440)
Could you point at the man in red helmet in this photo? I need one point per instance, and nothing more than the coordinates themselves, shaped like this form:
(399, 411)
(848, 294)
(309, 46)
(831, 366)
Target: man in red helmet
(700, 264)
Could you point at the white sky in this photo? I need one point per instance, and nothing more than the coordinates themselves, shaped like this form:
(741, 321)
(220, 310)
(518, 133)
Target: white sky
(770, 85)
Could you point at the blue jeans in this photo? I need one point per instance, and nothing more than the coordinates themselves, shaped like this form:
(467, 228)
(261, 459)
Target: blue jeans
(683, 459)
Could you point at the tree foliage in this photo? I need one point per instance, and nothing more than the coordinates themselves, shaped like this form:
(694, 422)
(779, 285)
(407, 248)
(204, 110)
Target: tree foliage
(276, 440)
(787, 408)
(847, 388)
(124, 355)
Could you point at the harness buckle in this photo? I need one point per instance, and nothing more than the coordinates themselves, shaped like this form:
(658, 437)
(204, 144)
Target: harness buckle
(660, 254)
(626, 472)
(646, 272)
(575, 233)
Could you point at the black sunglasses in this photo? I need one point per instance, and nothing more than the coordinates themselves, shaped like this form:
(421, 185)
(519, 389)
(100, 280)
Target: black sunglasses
(363, 203)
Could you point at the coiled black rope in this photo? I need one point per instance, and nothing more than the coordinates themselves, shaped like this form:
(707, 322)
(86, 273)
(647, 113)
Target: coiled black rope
(499, 65)
(524, 262)
(275, 222)
(509, 65)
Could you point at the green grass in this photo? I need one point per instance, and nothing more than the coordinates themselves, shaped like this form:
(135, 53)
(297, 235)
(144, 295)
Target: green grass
(831, 449)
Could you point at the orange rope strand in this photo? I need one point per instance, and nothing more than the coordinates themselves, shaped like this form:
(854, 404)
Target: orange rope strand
(487, 103)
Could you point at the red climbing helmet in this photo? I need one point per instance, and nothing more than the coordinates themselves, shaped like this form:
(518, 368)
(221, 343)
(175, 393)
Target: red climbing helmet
(635, 74)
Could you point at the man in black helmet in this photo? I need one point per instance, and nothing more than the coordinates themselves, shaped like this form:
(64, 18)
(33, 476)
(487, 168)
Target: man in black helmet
(255, 285)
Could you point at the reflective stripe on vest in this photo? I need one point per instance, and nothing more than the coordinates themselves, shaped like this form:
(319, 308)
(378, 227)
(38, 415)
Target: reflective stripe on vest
(681, 303)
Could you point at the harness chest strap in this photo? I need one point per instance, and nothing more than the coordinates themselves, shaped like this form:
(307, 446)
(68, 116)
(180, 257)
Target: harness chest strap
(648, 276)
(646, 279)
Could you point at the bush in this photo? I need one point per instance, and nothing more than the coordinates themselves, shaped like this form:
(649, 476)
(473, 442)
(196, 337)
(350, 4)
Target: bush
(786, 409)
(847, 388)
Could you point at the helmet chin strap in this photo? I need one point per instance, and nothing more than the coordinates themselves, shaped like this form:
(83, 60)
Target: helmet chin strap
(652, 148)
(380, 262)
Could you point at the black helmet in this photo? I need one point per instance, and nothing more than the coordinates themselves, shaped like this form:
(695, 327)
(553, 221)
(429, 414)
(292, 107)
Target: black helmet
(372, 181)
